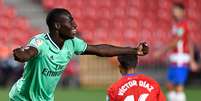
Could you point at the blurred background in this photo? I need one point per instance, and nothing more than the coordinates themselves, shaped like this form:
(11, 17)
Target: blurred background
(116, 22)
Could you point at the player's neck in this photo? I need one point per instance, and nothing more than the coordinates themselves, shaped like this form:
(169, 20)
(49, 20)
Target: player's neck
(56, 39)
(131, 71)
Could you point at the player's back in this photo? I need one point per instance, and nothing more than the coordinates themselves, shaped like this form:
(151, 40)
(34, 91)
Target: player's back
(135, 87)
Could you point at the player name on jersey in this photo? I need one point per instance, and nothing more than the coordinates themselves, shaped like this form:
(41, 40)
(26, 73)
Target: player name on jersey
(133, 83)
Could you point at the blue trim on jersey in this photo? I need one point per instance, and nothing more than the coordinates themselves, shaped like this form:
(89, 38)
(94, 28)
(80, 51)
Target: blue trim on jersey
(134, 74)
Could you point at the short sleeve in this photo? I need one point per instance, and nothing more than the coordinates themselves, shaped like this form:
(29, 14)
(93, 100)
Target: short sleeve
(110, 94)
(79, 46)
(38, 43)
(161, 96)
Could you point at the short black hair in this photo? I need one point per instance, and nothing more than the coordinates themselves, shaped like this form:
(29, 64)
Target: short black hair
(55, 13)
(127, 61)
(179, 5)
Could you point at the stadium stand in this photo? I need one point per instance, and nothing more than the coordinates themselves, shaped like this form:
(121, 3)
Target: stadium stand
(117, 22)
(125, 22)
(14, 29)
(109, 21)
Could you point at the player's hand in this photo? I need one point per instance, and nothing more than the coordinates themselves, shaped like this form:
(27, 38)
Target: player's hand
(23, 54)
(142, 49)
(18, 54)
(194, 66)
(157, 54)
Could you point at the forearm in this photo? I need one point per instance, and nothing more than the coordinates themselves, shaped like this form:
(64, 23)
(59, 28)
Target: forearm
(171, 46)
(104, 50)
(23, 55)
(23, 58)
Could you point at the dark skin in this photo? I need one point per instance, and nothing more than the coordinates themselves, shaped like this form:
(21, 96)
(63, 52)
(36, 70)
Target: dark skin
(64, 29)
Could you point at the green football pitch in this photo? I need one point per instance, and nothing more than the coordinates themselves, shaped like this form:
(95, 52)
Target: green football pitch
(64, 94)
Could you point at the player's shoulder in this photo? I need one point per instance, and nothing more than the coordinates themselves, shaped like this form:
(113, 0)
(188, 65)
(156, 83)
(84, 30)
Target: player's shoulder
(119, 83)
(75, 39)
(115, 85)
(184, 23)
(112, 86)
(40, 36)
(148, 79)
(38, 39)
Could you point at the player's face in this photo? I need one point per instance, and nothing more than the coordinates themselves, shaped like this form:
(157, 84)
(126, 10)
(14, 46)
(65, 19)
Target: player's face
(67, 28)
(178, 13)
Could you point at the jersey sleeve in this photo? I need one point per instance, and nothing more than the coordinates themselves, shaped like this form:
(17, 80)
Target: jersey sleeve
(161, 96)
(38, 43)
(79, 46)
(110, 94)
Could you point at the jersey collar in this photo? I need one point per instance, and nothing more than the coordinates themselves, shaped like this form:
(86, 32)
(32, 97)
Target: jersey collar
(52, 41)
(134, 74)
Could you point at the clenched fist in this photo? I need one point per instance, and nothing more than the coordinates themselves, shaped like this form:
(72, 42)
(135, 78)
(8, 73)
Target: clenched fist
(142, 49)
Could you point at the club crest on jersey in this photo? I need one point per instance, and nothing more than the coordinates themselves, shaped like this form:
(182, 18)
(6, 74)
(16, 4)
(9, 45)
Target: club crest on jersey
(38, 42)
(180, 31)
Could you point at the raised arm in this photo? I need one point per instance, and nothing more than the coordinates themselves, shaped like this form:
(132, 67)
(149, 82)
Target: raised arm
(105, 50)
(23, 54)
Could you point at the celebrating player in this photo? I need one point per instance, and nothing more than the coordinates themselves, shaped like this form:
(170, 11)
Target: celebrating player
(47, 54)
(133, 86)
(181, 56)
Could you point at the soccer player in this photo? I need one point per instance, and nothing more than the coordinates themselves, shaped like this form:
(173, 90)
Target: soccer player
(47, 54)
(133, 86)
(181, 57)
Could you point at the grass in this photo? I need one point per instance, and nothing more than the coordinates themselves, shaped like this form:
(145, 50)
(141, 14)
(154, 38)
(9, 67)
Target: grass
(64, 94)
(80, 95)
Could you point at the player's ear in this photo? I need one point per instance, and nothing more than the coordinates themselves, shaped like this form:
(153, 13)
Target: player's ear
(57, 25)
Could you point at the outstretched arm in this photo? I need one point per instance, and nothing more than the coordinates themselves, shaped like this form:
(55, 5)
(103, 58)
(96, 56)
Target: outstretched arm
(169, 47)
(23, 54)
(105, 50)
